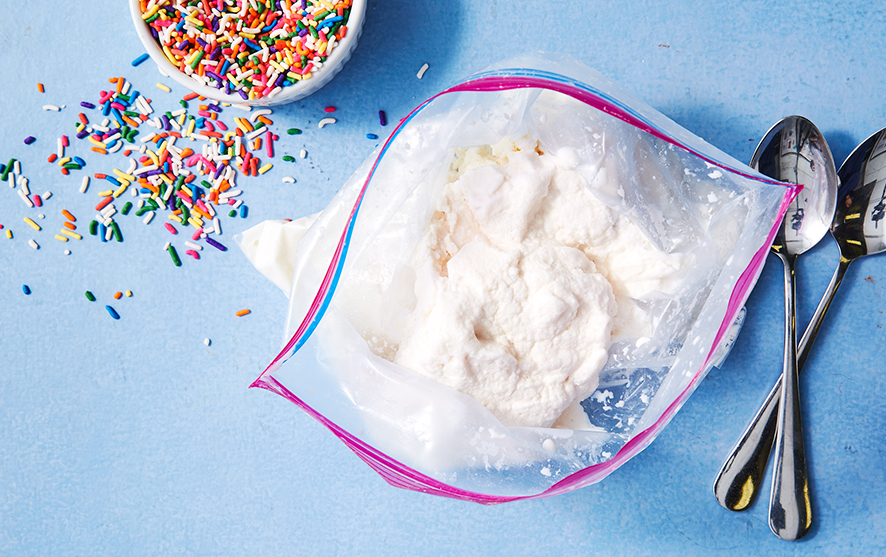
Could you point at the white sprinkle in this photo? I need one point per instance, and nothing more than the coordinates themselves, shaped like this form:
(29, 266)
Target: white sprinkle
(261, 112)
(148, 218)
(17, 167)
(25, 198)
(47, 195)
(326, 121)
(84, 184)
(60, 151)
(51, 107)
(288, 180)
(207, 342)
(41, 216)
(109, 233)
(303, 153)
(166, 246)
(23, 184)
(422, 71)
(193, 246)
(67, 252)
(245, 107)
(33, 244)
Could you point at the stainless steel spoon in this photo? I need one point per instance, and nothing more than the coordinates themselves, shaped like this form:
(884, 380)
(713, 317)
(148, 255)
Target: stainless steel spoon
(856, 227)
(794, 151)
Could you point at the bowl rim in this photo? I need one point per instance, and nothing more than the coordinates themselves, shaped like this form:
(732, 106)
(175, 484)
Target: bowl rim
(340, 55)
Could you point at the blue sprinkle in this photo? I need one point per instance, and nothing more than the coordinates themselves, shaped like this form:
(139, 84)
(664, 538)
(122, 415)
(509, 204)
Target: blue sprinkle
(112, 312)
(140, 59)
(111, 178)
(243, 211)
(371, 136)
(26, 289)
(79, 161)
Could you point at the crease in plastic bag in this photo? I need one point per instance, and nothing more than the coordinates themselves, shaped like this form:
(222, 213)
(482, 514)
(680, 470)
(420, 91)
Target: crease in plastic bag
(688, 197)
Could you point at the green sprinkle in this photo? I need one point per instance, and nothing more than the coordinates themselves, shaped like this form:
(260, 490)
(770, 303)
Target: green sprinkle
(233, 213)
(72, 166)
(287, 158)
(117, 235)
(127, 207)
(293, 131)
(172, 253)
(197, 59)
(184, 103)
(7, 170)
(93, 229)
(89, 295)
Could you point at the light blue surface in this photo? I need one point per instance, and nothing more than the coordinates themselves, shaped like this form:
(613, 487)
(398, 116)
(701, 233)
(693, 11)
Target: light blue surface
(131, 437)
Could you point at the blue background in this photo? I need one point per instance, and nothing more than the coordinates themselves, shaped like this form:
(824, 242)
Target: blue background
(131, 437)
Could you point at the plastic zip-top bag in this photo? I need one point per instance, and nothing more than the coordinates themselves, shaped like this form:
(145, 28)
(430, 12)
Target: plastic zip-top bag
(518, 290)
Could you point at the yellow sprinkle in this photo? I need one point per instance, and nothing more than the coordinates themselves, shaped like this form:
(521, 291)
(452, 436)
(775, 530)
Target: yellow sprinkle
(32, 224)
(188, 191)
(151, 12)
(121, 189)
(61, 238)
(128, 293)
(265, 168)
(163, 88)
(9, 233)
(190, 128)
(105, 193)
(72, 234)
(153, 157)
(195, 222)
(124, 175)
(64, 161)
(97, 143)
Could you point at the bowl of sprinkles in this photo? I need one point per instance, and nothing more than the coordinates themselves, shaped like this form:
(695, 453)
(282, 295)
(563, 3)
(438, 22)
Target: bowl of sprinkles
(254, 52)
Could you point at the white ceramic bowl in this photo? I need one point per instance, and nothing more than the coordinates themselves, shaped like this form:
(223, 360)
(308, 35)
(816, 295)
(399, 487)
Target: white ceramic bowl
(333, 64)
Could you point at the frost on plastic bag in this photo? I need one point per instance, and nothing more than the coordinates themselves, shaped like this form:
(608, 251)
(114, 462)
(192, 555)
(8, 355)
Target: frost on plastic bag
(688, 198)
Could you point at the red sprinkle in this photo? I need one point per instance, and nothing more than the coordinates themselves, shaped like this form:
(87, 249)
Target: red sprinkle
(52, 158)
(330, 109)
(104, 203)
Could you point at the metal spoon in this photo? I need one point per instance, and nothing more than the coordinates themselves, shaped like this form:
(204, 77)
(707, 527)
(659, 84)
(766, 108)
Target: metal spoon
(857, 231)
(794, 151)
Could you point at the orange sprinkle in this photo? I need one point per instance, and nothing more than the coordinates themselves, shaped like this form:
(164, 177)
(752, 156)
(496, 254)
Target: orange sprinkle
(118, 295)
(190, 96)
(129, 120)
(242, 312)
(265, 120)
(100, 150)
(83, 119)
(120, 85)
(68, 215)
(70, 225)
(40, 87)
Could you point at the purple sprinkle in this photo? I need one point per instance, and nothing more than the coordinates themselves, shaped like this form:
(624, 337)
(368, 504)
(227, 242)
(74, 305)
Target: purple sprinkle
(30, 139)
(218, 171)
(279, 80)
(214, 108)
(215, 244)
(166, 125)
(227, 88)
(243, 94)
(303, 32)
(214, 75)
(201, 42)
(82, 134)
(85, 104)
(382, 119)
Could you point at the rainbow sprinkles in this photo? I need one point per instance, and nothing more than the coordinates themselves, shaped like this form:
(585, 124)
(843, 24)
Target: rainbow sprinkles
(253, 48)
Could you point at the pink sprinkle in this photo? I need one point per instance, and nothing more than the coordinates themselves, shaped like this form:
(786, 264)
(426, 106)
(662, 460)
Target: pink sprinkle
(118, 106)
(184, 197)
(193, 254)
(170, 228)
(231, 201)
(37, 201)
(196, 235)
(220, 125)
(330, 109)
(64, 141)
(269, 144)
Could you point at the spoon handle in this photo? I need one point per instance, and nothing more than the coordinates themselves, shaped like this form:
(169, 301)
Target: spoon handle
(738, 481)
(790, 509)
